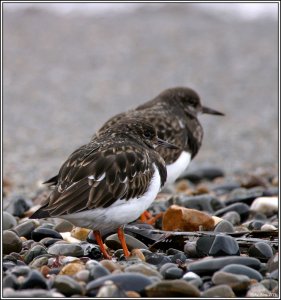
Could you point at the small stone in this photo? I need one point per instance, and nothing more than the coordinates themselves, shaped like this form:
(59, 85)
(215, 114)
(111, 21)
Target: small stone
(209, 173)
(273, 263)
(39, 262)
(26, 228)
(237, 282)
(157, 259)
(241, 208)
(68, 238)
(17, 205)
(137, 253)
(173, 273)
(269, 283)
(242, 195)
(132, 294)
(47, 242)
(256, 224)
(64, 226)
(80, 233)
(40, 233)
(67, 285)
(268, 227)
(11, 242)
(185, 219)
(233, 217)
(219, 291)
(33, 253)
(127, 282)
(190, 249)
(34, 280)
(91, 250)
(172, 288)
(261, 251)
(110, 265)
(224, 245)
(274, 275)
(10, 281)
(21, 271)
(178, 258)
(208, 265)
(30, 293)
(110, 290)
(66, 249)
(242, 270)
(145, 269)
(9, 221)
(258, 291)
(193, 279)
(72, 269)
(97, 271)
(224, 226)
(83, 275)
(265, 205)
(113, 242)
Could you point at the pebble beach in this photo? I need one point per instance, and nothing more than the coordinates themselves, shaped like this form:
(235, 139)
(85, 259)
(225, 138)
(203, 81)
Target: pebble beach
(66, 74)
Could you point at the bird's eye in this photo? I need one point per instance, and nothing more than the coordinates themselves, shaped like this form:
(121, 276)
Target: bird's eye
(147, 134)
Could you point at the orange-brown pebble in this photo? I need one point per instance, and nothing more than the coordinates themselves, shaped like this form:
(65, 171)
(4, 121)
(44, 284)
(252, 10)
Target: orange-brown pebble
(80, 233)
(45, 270)
(72, 268)
(201, 189)
(186, 219)
(136, 253)
(133, 294)
(110, 265)
(182, 186)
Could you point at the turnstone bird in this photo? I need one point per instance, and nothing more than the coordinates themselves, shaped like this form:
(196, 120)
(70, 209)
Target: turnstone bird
(174, 114)
(110, 181)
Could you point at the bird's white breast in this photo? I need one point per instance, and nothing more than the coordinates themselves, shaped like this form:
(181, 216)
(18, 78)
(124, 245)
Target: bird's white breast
(120, 212)
(175, 169)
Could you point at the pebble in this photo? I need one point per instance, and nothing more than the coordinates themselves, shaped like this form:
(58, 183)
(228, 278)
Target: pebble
(265, 205)
(128, 282)
(25, 229)
(241, 208)
(17, 205)
(83, 275)
(233, 217)
(177, 218)
(97, 271)
(40, 233)
(193, 279)
(110, 265)
(10, 281)
(67, 285)
(172, 288)
(256, 224)
(63, 226)
(190, 249)
(80, 233)
(243, 270)
(224, 226)
(178, 258)
(219, 291)
(273, 263)
(268, 227)
(66, 249)
(11, 242)
(91, 250)
(157, 259)
(224, 245)
(31, 293)
(72, 268)
(9, 221)
(110, 290)
(242, 195)
(39, 262)
(259, 291)
(237, 282)
(145, 269)
(171, 271)
(210, 265)
(113, 242)
(47, 242)
(34, 280)
(21, 271)
(32, 253)
(270, 284)
(261, 250)
(201, 173)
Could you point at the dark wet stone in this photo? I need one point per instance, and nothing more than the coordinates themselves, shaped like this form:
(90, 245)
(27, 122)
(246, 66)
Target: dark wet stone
(237, 282)
(241, 208)
(190, 250)
(273, 263)
(34, 252)
(97, 271)
(8, 265)
(256, 224)
(274, 275)
(203, 245)
(11, 242)
(199, 174)
(269, 283)
(157, 259)
(10, 281)
(66, 249)
(243, 270)
(173, 273)
(21, 271)
(261, 250)
(233, 217)
(91, 250)
(40, 233)
(17, 205)
(30, 293)
(25, 229)
(39, 261)
(67, 285)
(225, 187)
(178, 258)
(271, 191)
(34, 280)
(145, 269)
(9, 221)
(201, 202)
(224, 245)
(209, 266)
(172, 288)
(128, 282)
(224, 226)
(165, 267)
(63, 226)
(242, 195)
(219, 291)
(10, 257)
(47, 242)
(113, 242)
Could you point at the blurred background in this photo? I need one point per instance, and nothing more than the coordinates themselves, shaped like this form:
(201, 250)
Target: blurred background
(70, 67)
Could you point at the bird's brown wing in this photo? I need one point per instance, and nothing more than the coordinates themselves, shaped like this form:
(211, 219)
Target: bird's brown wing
(93, 178)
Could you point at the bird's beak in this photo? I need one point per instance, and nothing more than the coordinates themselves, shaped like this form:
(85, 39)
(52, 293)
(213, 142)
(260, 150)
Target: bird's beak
(207, 110)
(162, 143)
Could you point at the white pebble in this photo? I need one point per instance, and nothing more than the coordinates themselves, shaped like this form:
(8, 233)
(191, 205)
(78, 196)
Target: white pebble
(268, 227)
(265, 205)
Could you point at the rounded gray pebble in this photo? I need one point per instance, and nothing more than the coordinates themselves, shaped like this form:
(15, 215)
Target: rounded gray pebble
(261, 250)
(11, 242)
(224, 226)
(113, 242)
(9, 221)
(66, 249)
(67, 285)
(219, 291)
(243, 270)
(34, 252)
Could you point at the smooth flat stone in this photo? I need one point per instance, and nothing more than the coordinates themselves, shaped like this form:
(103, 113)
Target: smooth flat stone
(224, 226)
(219, 291)
(113, 242)
(145, 269)
(40, 233)
(67, 285)
(237, 282)
(9, 221)
(243, 270)
(261, 250)
(34, 279)
(33, 253)
(11, 242)
(241, 208)
(66, 249)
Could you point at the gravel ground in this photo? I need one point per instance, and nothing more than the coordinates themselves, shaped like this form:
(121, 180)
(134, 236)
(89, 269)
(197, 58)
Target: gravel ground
(64, 75)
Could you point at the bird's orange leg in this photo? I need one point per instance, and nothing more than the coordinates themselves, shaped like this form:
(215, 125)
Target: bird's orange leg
(121, 237)
(100, 243)
(146, 215)
(152, 220)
